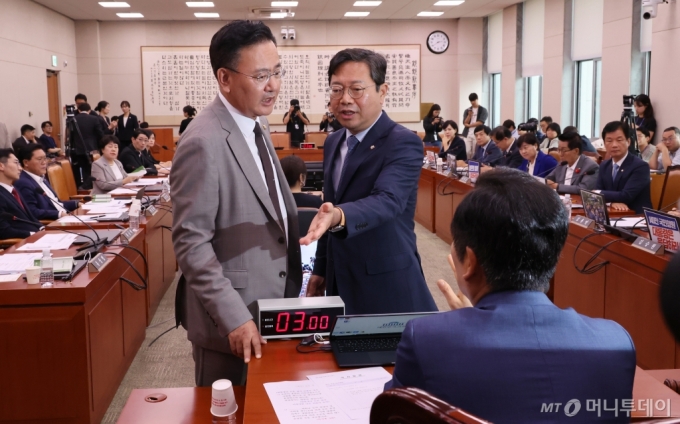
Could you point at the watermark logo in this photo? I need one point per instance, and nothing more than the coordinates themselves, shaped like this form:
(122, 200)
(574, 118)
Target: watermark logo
(572, 407)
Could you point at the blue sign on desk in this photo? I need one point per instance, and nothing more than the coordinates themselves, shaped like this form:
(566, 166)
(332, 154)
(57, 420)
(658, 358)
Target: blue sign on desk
(663, 229)
(473, 170)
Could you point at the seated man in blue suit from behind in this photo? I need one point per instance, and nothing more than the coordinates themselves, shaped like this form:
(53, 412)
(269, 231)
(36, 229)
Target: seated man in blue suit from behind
(508, 351)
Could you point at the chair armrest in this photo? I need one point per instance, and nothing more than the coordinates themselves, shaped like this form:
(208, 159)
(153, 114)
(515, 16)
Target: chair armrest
(10, 242)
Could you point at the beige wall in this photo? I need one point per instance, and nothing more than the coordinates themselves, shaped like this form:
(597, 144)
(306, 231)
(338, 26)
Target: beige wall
(553, 60)
(29, 35)
(665, 85)
(468, 78)
(511, 100)
(110, 63)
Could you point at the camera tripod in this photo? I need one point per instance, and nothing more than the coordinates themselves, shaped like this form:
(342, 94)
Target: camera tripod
(69, 149)
(628, 119)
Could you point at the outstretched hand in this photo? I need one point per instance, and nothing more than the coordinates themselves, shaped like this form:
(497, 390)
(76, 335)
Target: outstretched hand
(324, 219)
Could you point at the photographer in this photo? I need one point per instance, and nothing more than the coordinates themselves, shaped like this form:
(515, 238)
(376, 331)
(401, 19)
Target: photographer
(645, 115)
(328, 121)
(432, 123)
(84, 143)
(295, 121)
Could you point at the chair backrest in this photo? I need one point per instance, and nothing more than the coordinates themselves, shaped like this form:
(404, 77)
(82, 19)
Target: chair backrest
(55, 174)
(421, 134)
(671, 187)
(556, 156)
(281, 139)
(318, 138)
(408, 405)
(305, 217)
(68, 174)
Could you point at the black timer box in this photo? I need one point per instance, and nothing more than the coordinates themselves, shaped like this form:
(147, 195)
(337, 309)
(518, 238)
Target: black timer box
(298, 317)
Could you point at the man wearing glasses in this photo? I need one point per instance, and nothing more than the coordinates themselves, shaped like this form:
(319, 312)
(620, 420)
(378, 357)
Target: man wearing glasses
(11, 202)
(667, 150)
(576, 172)
(235, 227)
(38, 195)
(367, 251)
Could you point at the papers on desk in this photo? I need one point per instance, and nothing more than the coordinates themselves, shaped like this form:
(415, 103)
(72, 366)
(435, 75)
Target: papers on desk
(629, 222)
(337, 397)
(11, 263)
(123, 190)
(102, 208)
(59, 241)
(139, 172)
(9, 278)
(115, 202)
(148, 181)
(89, 218)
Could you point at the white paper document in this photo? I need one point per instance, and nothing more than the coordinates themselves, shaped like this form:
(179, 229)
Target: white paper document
(9, 278)
(58, 241)
(17, 262)
(140, 173)
(148, 181)
(123, 190)
(630, 222)
(303, 402)
(116, 203)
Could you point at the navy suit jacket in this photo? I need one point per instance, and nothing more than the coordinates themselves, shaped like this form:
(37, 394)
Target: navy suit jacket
(511, 159)
(40, 205)
(631, 185)
(512, 353)
(491, 156)
(11, 228)
(374, 263)
(544, 164)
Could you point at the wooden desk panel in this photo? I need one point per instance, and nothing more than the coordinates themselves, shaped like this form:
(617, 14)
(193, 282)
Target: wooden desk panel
(307, 155)
(164, 137)
(425, 201)
(583, 292)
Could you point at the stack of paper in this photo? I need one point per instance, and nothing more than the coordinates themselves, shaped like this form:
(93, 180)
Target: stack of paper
(17, 262)
(58, 241)
(148, 181)
(123, 190)
(338, 397)
(630, 222)
(88, 218)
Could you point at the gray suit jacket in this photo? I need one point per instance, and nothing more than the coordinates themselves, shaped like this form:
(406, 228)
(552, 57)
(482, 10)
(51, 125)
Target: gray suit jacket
(579, 181)
(106, 181)
(229, 245)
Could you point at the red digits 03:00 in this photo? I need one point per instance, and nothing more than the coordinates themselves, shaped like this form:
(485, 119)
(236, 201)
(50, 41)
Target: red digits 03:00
(313, 323)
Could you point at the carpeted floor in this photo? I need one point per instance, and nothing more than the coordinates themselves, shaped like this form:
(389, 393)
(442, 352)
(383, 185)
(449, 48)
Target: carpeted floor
(168, 362)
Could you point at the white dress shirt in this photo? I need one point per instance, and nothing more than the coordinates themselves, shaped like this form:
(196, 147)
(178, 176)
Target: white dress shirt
(247, 127)
(116, 171)
(48, 192)
(531, 166)
(340, 160)
(570, 173)
(7, 187)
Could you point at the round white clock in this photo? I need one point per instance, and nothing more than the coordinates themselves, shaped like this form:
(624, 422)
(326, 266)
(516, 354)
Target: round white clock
(438, 42)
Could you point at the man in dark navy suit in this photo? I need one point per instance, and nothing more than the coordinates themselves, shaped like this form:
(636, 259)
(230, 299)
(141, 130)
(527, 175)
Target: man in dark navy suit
(505, 350)
(486, 152)
(623, 179)
(11, 202)
(32, 182)
(369, 257)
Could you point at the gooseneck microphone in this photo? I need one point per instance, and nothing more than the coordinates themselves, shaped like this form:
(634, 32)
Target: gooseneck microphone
(564, 162)
(8, 216)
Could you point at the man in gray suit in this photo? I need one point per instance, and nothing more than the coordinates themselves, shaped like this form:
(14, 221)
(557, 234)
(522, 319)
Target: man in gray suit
(235, 228)
(576, 172)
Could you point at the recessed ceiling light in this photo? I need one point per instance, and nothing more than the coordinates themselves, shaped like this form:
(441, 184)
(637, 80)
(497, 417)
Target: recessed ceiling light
(367, 3)
(356, 14)
(430, 13)
(449, 2)
(113, 4)
(284, 4)
(130, 15)
(200, 4)
(206, 15)
(281, 15)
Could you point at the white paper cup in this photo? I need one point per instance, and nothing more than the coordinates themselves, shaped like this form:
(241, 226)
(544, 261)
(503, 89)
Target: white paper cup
(223, 401)
(33, 275)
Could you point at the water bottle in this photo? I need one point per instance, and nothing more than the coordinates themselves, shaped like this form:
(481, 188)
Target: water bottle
(567, 205)
(46, 270)
(135, 208)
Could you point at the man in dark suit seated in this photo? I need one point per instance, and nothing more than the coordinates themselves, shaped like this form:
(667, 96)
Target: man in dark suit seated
(133, 157)
(27, 138)
(84, 143)
(32, 181)
(505, 349)
(578, 173)
(295, 170)
(505, 141)
(11, 202)
(624, 178)
(486, 152)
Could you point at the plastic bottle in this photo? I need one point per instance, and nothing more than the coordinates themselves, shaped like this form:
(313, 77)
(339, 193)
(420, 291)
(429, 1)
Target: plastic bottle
(567, 205)
(135, 209)
(46, 270)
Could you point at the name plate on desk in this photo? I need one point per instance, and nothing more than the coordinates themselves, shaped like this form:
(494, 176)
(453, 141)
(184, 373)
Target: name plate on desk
(465, 179)
(584, 222)
(150, 211)
(165, 197)
(649, 246)
(126, 236)
(97, 263)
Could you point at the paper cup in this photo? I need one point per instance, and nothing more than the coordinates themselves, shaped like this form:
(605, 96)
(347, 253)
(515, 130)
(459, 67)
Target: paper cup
(33, 275)
(223, 401)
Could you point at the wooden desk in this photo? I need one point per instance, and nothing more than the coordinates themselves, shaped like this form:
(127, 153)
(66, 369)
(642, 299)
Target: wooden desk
(65, 350)
(183, 405)
(649, 385)
(157, 248)
(307, 155)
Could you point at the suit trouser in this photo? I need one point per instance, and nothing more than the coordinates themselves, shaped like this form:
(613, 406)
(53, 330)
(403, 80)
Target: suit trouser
(212, 365)
(82, 164)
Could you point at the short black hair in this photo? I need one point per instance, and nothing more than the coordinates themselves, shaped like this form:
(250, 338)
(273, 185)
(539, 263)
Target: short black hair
(570, 129)
(227, 43)
(293, 166)
(26, 128)
(555, 127)
(189, 110)
(615, 126)
(501, 133)
(573, 141)
(46, 123)
(547, 119)
(450, 123)
(4, 154)
(26, 152)
(643, 130)
(294, 102)
(101, 105)
(519, 248)
(377, 64)
(106, 140)
(124, 103)
(80, 96)
(84, 107)
(139, 131)
(676, 130)
(473, 96)
(509, 123)
(528, 138)
(114, 118)
(434, 107)
(484, 128)
(144, 125)
(533, 120)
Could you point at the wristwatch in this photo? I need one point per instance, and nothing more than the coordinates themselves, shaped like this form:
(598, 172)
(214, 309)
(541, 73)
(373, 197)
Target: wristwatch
(341, 225)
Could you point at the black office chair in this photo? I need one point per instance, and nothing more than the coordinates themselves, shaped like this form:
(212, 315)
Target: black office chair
(314, 180)
(305, 217)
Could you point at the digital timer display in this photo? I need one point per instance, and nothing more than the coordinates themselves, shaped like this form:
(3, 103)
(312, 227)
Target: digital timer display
(298, 322)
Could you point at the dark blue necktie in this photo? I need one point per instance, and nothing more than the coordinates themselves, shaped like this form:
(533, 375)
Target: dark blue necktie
(352, 143)
(615, 171)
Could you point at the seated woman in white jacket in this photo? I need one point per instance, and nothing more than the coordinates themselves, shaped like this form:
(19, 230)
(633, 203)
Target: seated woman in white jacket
(107, 170)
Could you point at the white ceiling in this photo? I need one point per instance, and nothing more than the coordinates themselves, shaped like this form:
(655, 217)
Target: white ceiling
(177, 10)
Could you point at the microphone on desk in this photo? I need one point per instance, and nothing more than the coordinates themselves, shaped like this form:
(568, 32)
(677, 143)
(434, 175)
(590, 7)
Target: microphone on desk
(548, 171)
(8, 216)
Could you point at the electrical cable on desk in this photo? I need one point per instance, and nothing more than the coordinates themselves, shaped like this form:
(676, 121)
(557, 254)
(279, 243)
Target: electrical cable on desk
(596, 267)
(146, 264)
(310, 341)
(131, 283)
(443, 192)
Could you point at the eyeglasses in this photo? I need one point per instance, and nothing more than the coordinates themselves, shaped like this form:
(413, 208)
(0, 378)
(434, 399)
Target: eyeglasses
(42, 159)
(669, 139)
(563, 151)
(355, 92)
(263, 78)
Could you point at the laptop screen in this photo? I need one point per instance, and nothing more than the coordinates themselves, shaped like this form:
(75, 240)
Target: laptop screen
(595, 207)
(363, 325)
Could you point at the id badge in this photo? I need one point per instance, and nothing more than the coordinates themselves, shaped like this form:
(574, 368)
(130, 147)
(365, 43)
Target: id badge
(297, 127)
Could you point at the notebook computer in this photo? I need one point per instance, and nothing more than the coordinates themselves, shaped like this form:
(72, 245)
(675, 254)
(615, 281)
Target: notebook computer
(595, 208)
(368, 340)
